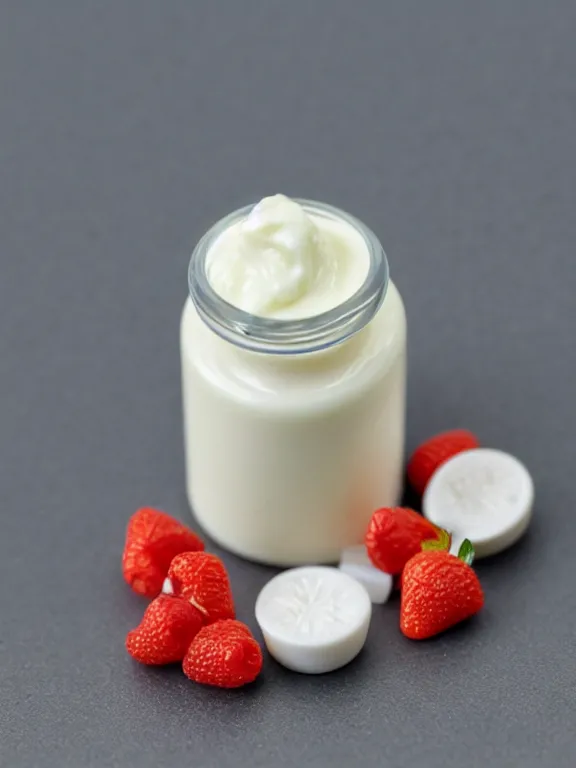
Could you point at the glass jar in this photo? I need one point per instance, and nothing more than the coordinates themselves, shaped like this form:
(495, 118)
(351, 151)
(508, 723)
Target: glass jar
(294, 429)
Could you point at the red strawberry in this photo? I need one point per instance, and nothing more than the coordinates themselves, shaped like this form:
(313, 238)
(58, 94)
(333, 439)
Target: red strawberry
(202, 579)
(153, 539)
(430, 455)
(223, 654)
(439, 590)
(395, 534)
(165, 632)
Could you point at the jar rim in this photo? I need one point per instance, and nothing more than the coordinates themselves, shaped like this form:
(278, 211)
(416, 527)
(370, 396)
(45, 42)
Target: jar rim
(293, 335)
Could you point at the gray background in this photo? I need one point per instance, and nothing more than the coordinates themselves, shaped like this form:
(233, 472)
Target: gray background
(126, 129)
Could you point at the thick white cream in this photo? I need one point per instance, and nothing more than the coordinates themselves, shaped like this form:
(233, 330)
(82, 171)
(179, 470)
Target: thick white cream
(283, 262)
(288, 456)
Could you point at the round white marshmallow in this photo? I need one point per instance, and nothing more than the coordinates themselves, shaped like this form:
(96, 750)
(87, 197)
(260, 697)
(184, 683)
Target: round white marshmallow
(483, 495)
(314, 619)
(355, 562)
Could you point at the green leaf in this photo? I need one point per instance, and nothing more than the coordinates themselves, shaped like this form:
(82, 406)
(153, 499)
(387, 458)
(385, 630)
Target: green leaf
(466, 552)
(441, 544)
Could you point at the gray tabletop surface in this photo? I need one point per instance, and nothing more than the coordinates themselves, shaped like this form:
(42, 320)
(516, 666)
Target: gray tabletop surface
(127, 127)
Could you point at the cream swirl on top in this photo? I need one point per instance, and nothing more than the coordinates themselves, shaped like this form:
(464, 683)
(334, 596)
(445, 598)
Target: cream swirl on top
(282, 262)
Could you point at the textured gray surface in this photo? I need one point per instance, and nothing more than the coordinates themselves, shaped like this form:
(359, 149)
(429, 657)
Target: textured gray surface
(126, 128)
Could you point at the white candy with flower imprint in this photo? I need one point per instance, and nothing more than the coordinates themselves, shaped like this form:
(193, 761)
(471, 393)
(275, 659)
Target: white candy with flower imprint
(484, 495)
(314, 619)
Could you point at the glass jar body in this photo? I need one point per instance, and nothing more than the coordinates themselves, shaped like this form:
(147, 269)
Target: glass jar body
(287, 456)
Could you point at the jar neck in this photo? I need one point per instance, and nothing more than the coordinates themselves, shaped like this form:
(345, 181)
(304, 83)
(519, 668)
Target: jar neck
(293, 336)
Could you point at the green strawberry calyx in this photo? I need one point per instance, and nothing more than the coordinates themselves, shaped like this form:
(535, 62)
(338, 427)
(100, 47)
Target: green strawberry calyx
(443, 543)
(466, 552)
(440, 544)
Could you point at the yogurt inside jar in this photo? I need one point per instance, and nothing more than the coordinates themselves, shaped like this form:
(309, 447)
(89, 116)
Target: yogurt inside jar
(293, 344)
(286, 263)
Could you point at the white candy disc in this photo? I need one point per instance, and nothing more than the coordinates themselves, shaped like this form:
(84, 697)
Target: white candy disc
(483, 495)
(355, 562)
(313, 619)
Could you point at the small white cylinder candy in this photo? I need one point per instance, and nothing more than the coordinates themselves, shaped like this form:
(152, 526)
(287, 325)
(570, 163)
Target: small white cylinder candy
(314, 619)
(484, 495)
(355, 562)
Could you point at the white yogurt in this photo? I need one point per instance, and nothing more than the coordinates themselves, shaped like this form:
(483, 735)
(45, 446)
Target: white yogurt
(282, 262)
(288, 455)
(314, 620)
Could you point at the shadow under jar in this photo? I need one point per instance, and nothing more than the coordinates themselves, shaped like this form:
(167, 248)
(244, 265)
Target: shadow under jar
(294, 429)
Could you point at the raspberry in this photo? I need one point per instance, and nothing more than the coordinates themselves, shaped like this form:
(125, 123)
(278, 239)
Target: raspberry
(223, 654)
(153, 539)
(434, 452)
(202, 579)
(165, 632)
